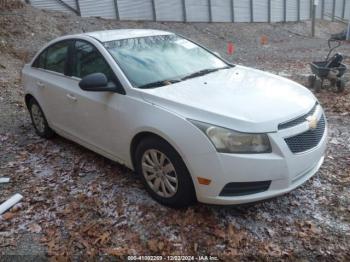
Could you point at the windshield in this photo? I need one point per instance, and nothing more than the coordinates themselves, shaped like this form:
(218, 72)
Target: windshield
(163, 58)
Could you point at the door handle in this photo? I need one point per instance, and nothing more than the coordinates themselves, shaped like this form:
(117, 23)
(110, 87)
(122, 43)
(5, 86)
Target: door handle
(40, 84)
(71, 97)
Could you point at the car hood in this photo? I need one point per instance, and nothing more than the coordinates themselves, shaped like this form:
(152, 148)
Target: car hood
(241, 98)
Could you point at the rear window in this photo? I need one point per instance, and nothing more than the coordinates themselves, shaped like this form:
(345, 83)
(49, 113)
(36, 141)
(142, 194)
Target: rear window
(40, 61)
(53, 58)
(56, 57)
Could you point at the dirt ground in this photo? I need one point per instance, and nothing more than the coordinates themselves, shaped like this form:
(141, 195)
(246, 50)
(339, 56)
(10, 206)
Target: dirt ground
(78, 204)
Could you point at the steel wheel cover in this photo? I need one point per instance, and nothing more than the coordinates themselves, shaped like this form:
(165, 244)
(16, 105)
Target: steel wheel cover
(160, 173)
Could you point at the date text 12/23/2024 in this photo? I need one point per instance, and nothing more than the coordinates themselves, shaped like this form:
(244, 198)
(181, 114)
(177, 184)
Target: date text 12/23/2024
(172, 258)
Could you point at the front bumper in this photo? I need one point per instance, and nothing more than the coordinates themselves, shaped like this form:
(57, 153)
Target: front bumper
(285, 170)
(275, 190)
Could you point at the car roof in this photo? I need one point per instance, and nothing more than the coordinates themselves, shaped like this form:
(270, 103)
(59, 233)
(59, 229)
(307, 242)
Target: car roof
(118, 34)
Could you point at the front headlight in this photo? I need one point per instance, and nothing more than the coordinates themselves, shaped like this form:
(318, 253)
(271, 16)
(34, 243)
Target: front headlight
(229, 141)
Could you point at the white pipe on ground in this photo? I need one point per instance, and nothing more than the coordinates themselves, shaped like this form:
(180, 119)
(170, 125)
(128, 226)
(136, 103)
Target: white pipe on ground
(10, 203)
(4, 180)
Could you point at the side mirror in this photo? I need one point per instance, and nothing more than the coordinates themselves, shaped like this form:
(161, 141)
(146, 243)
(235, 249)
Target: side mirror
(98, 82)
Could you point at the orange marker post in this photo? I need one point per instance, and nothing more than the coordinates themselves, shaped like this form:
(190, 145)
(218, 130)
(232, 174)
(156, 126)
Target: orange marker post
(230, 48)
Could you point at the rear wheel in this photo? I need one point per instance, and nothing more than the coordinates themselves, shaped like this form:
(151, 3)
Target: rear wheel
(317, 85)
(38, 119)
(164, 173)
(340, 85)
(311, 80)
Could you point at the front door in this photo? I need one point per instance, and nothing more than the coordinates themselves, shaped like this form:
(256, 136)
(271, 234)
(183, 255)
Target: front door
(95, 117)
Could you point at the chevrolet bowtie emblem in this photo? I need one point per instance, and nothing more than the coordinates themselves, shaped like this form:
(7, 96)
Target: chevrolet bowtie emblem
(312, 120)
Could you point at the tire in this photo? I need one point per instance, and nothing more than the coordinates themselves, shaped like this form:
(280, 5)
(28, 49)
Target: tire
(317, 85)
(39, 120)
(311, 81)
(156, 160)
(340, 85)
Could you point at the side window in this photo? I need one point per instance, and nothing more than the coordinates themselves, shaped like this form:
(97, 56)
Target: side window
(56, 57)
(88, 60)
(40, 60)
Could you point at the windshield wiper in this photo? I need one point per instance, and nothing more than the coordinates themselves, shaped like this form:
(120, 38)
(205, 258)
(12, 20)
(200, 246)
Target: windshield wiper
(172, 81)
(159, 83)
(203, 72)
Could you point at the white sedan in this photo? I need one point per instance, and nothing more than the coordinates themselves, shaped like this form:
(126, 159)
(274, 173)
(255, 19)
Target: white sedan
(192, 125)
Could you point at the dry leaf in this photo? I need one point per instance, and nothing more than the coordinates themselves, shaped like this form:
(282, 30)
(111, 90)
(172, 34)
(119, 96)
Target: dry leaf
(230, 231)
(195, 247)
(117, 251)
(270, 232)
(34, 228)
(273, 250)
(231, 252)
(153, 245)
(314, 229)
(161, 246)
(220, 233)
(8, 215)
(103, 238)
(302, 234)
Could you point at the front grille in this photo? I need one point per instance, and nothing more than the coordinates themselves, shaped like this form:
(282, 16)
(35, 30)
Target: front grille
(307, 140)
(298, 120)
(245, 188)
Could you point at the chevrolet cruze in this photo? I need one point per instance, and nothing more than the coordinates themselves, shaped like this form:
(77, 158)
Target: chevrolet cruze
(192, 125)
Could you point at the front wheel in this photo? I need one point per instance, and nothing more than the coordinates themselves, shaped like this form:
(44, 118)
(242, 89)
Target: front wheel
(164, 173)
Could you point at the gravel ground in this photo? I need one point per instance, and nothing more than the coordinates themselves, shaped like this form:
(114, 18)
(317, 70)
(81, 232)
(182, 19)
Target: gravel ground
(78, 204)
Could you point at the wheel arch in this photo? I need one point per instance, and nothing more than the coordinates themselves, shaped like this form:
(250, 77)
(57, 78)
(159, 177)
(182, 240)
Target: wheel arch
(27, 98)
(136, 140)
(139, 136)
(145, 134)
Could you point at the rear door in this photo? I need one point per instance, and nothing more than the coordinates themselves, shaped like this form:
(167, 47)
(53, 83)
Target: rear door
(50, 80)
